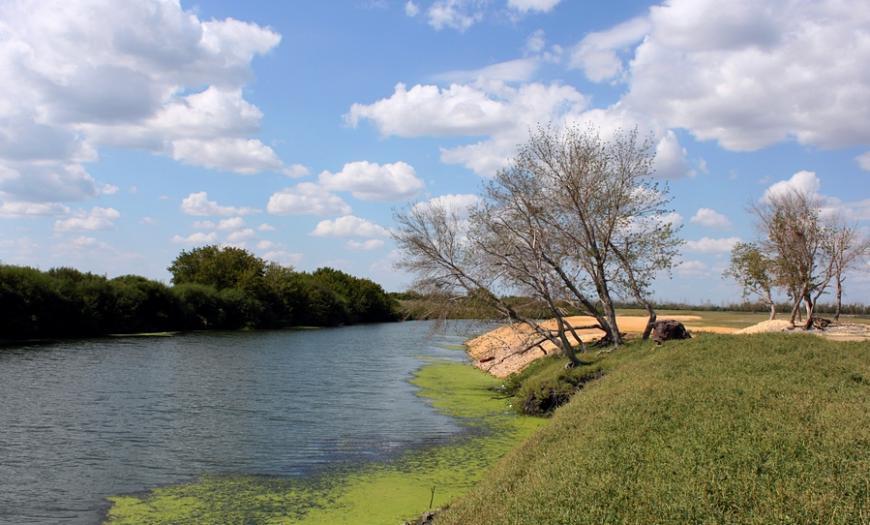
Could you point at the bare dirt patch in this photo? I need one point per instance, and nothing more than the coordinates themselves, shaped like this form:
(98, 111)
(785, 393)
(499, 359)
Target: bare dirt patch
(509, 349)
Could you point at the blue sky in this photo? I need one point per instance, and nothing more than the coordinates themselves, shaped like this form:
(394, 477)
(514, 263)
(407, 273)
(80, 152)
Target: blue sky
(295, 129)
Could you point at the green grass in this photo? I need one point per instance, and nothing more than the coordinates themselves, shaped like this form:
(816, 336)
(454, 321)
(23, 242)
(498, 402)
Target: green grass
(762, 429)
(384, 493)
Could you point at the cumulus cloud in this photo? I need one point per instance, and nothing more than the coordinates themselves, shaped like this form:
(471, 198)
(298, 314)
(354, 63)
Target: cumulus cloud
(266, 227)
(241, 235)
(175, 89)
(692, 268)
(755, 73)
(367, 245)
(31, 209)
(517, 70)
(306, 198)
(456, 204)
(597, 54)
(233, 223)
(81, 220)
(806, 182)
(711, 245)
(369, 181)
(349, 226)
(196, 238)
(411, 9)
(296, 171)
(710, 218)
(283, 257)
(502, 113)
(198, 204)
(864, 161)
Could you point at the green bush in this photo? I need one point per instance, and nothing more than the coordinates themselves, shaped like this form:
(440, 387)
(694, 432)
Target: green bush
(550, 385)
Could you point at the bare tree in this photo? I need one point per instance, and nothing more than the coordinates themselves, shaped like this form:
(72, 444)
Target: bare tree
(573, 218)
(755, 272)
(439, 249)
(847, 249)
(799, 240)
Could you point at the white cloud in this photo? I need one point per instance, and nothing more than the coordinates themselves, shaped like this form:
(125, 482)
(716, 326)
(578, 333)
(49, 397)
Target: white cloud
(265, 245)
(148, 221)
(283, 257)
(692, 269)
(233, 223)
(711, 245)
(753, 74)
(597, 54)
(525, 6)
(369, 181)
(241, 235)
(864, 161)
(710, 218)
(13, 209)
(349, 226)
(457, 204)
(502, 113)
(536, 42)
(243, 156)
(196, 238)
(455, 14)
(108, 189)
(805, 182)
(367, 245)
(175, 89)
(411, 9)
(296, 171)
(306, 198)
(198, 204)
(204, 225)
(81, 220)
(517, 70)
(266, 227)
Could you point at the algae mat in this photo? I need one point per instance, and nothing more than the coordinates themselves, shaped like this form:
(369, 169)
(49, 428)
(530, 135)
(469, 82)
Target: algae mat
(382, 493)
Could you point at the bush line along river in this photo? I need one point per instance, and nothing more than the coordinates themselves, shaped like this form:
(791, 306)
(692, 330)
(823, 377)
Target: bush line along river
(247, 427)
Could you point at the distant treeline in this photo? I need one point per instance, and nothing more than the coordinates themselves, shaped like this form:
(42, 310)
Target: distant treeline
(213, 288)
(416, 306)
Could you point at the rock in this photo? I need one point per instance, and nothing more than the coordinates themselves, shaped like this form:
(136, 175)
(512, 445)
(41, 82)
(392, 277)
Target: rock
(667, 330)
(428, 518)
(820, 323)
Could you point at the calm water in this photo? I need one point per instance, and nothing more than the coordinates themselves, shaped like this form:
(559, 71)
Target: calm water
(83, 420)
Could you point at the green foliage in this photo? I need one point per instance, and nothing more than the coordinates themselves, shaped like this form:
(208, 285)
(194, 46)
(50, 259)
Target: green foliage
(547, 384)
(223, 288)
(768, 428)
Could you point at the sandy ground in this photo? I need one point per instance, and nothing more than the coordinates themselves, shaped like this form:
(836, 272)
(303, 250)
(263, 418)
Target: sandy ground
(835, 332)
(499, 351)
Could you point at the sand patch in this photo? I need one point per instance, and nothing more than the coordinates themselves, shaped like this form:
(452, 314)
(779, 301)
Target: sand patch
(511, 348)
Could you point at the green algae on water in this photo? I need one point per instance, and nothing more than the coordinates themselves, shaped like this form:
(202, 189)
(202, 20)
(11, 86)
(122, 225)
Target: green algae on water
(381, 493)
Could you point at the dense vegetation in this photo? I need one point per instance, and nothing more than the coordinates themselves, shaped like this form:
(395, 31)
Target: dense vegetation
(769, 428)
(213, 287)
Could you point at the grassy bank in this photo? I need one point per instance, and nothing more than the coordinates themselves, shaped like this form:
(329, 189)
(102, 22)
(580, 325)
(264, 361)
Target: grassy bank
(771, 428)
(381, 493)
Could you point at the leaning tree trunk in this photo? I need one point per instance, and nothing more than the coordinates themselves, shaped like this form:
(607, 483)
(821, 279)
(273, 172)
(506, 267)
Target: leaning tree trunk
(650, 322)
(567, 348)
(772, 305)
(839, 299)
(808, 301)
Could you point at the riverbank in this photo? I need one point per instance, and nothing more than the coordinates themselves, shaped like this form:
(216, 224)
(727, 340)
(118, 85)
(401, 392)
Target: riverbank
(378, 493)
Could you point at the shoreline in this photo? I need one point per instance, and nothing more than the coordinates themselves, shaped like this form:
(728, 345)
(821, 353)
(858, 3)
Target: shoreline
(386, 491)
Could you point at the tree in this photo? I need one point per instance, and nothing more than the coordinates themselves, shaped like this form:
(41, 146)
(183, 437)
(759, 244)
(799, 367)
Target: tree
(799, 240)
(847, 250)
(573, 218)
(755, 272)
(227, 267)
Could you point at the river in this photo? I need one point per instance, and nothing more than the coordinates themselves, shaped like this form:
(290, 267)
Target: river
(83, 420)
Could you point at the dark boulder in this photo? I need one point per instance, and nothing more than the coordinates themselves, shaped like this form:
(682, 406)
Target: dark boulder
(820, 323)
(667, 330)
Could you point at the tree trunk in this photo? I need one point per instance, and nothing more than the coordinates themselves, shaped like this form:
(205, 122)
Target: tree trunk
(839, 299)
(650, 322)
(567, 348)
(808, 301)
(772, 311)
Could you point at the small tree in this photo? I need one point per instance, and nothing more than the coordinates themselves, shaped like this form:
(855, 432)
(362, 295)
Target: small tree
(847, 250)
(799, 240)
(755, 272)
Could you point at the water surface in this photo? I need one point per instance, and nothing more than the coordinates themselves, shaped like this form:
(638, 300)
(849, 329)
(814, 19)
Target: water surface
(83, 420)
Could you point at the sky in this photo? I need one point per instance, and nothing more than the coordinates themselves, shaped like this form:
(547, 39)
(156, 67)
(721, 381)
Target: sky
(129, 132)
